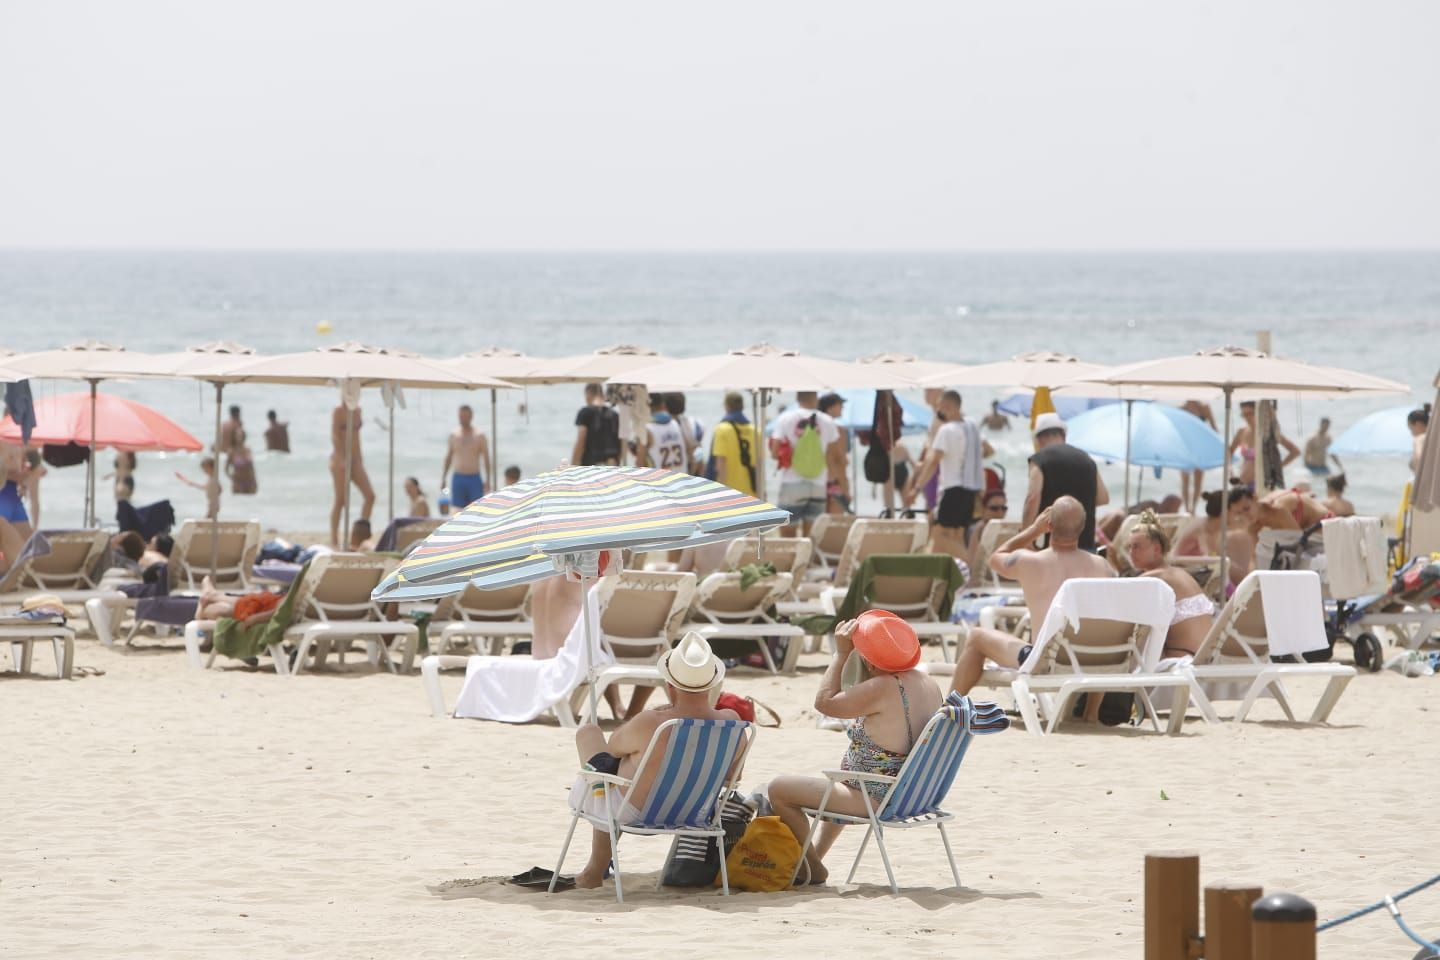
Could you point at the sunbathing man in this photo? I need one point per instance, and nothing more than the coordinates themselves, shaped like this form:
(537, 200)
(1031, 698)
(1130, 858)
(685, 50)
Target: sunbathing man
(1040, 574)
(690, 671)
(1149, 550)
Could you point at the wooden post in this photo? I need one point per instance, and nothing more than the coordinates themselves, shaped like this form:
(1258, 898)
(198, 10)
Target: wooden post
(1172, 905)
(1227, 920)
(1284, 928)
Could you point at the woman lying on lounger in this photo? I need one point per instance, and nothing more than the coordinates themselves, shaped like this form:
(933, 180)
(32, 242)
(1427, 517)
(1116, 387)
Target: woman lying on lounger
(889, 710)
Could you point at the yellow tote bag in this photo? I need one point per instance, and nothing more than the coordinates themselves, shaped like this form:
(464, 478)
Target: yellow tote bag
(764, 859)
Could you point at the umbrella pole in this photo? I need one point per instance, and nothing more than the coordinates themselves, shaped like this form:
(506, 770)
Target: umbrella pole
(1225, 502)
(215, 479)
(1129, 405)
(494, 478)
(90, 467)
(392, 462)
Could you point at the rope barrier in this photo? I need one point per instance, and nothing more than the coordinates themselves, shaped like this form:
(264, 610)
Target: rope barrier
(1388, 904)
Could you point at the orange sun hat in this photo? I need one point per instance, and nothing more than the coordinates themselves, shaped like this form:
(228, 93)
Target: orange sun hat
(886, 641)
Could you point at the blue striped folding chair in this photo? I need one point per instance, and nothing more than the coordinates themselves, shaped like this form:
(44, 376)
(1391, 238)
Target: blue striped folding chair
(917, 791)
(700, 764)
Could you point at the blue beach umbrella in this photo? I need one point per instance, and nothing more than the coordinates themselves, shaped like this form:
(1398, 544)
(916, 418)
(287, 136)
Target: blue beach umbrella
(1158, 436)
(1383, 433)
(859, 413)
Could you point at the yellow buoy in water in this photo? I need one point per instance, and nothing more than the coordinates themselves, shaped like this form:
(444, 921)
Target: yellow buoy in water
(323, 327)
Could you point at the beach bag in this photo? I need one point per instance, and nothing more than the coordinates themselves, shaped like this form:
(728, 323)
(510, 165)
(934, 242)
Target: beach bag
(808, 459)
(765, 858)
(877, 464)
(696, 861)
(745, 708)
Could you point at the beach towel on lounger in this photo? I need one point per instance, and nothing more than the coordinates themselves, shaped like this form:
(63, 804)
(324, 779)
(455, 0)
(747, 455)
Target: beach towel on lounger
(233, 640)
(518, 689)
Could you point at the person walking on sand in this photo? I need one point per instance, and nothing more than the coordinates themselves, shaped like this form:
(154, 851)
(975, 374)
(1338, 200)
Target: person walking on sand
(957, 453)
(277, 434)
(345, 425)
(597, 431)
(1058, 469)
(467, 451)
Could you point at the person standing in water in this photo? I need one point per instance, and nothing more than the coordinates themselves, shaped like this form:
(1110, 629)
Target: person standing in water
(277, 435)
(467, 451)
(345, 423)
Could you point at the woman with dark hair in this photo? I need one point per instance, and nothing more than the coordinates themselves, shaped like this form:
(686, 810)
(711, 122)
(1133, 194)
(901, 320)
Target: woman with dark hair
(419, 506)
(1418, 421)
(1203, 537)
(1336, 502)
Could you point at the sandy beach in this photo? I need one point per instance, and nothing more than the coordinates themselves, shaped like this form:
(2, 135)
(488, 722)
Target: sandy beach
(160, 811)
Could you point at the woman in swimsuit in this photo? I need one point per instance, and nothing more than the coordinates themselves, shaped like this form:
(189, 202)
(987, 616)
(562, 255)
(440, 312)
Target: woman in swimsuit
(889, 710)
(339, 420)
(1244, 443)
(1202, 539)
(1149, 553)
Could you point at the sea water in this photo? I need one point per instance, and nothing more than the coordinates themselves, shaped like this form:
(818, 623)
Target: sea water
(1374, 312)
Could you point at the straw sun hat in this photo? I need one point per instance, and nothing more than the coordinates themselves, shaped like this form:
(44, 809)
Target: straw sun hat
(691, 666)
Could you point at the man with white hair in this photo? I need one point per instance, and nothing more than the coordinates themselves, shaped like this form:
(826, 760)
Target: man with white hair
(1059, 470)
(691, 671)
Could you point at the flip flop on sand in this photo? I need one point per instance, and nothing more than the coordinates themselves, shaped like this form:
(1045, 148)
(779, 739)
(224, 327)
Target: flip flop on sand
(540, 877)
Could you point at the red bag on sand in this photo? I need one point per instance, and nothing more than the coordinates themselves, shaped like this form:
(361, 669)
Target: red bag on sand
(744, 708)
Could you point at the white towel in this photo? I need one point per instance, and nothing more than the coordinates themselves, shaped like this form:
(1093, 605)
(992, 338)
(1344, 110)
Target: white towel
(1356, 557)
(1142, 600)
(1294, 610)
(518, 689)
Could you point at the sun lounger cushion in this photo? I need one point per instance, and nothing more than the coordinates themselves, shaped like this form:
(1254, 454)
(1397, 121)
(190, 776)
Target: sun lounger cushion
(935, 566)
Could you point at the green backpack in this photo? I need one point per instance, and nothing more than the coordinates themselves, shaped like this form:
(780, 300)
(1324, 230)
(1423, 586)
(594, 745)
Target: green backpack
(808, 460)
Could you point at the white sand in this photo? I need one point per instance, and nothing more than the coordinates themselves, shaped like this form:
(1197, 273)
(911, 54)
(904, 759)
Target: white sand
(161, 812)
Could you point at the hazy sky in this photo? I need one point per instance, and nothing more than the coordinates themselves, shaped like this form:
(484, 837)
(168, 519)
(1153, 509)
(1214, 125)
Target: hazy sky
(953, 124)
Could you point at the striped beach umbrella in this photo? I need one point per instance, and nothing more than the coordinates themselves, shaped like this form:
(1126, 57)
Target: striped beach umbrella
(515, 534)
(562, 522)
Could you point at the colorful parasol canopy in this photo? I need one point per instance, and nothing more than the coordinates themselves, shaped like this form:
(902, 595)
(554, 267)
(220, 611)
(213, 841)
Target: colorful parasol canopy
(122, 424)
(513, 534)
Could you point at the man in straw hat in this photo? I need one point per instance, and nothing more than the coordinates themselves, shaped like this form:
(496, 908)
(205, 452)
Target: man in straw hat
(692, 673)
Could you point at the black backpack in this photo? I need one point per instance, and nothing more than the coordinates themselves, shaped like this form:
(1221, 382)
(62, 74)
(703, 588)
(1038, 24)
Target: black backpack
(877, 463)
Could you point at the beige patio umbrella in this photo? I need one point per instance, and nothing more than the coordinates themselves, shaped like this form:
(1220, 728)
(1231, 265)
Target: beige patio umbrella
(1232, 369)
(606, 364)
(509, 365)
(764, 369)
(1029, 370)
(92, 361)
(352, 367)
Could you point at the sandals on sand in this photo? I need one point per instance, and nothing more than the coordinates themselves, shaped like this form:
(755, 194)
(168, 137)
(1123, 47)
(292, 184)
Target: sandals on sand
(539, 877)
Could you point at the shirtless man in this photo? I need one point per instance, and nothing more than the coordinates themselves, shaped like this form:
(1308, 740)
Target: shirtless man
(12, 483)
(346, 422)
(1040, 574)
(995, 420)
(467, 452)
(1149, 550)
(690, 671)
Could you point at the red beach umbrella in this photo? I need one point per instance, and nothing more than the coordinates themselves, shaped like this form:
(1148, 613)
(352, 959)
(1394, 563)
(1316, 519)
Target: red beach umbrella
(121, 424)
